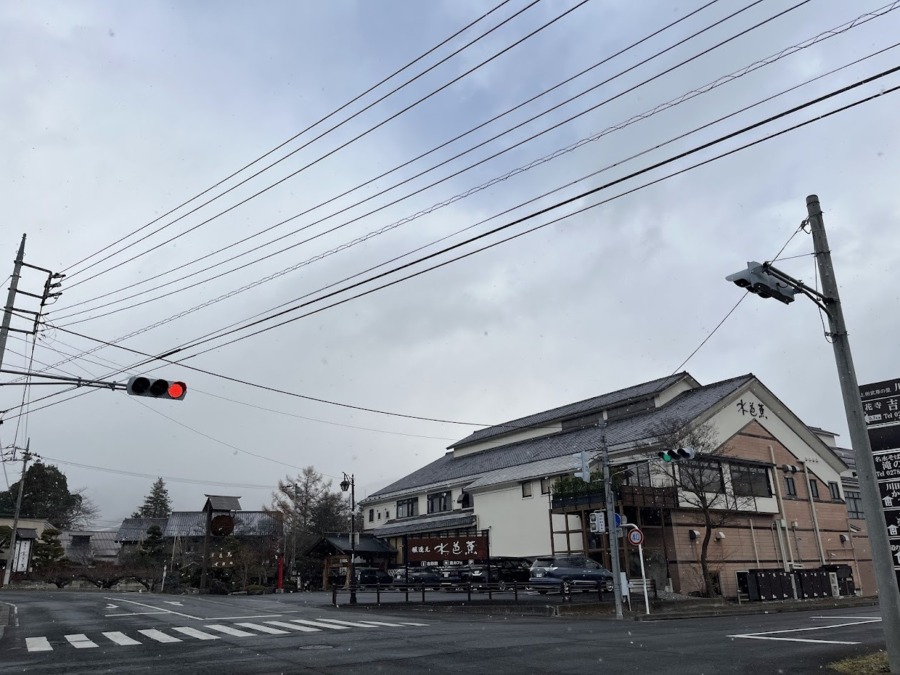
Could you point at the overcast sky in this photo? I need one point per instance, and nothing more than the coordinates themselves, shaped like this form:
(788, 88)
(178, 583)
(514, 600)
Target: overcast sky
(113, 114)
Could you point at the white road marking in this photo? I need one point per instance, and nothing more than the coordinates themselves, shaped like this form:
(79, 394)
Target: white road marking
(111, 606)
(158, 609)
(243, 616)
(782, 639)
(80, 641)
(351, 624)
(294, 626)
(135, 613)
(853, 618)
(262, 629)
(410, 623)
(38, 644)
(228, 630)
(194, 633)
(121, 638)
(158, 635)
(383, 623)
(768, 635)
(177, 603)
(317, 624)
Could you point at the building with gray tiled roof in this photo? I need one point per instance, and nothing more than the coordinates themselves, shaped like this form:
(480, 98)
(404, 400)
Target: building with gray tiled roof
(500, 483)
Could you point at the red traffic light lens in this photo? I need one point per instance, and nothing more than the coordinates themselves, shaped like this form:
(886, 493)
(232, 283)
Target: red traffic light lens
(177, 389)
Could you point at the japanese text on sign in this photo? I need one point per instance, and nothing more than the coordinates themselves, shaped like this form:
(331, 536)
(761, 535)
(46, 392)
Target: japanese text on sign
(461, 548)
(751, 408)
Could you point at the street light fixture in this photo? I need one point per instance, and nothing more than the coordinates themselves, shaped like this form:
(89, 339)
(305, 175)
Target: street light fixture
(349, 484)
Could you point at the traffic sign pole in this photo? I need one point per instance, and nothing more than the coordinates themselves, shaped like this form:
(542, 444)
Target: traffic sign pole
(635, 536)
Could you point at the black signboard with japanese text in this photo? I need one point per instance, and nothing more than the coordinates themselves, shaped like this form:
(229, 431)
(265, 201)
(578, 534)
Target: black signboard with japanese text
(887, 466)
(440, 549)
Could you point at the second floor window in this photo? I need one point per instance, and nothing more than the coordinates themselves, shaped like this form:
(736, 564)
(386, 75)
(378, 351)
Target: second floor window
(814, 488)
(750, 481)
(854, 505)
(438, 502)
(835, 491)
(702, 475)
(372, 515)
(526, 488)
(547, 485)
(790, 487)
(408, 507)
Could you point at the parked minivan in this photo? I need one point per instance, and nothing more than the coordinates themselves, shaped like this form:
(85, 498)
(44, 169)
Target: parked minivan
(565, 573)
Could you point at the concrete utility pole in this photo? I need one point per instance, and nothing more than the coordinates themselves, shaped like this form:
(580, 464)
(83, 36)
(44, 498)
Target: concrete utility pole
(11, 298)
(611, 528)
(11, 554)
(888, 596)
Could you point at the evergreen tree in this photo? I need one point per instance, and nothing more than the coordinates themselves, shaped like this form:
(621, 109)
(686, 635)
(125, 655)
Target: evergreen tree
(47, 550)
(47, 496)
(157, 504)
(152, 548)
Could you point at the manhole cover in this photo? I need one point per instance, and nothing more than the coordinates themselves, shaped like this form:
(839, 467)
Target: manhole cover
(310, 647)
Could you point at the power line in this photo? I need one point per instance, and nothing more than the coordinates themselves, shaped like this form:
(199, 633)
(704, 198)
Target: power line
(407, 163)
(684, 97)
(321, 157)
(433, 184)
(143, 330)
(537, 227)
(297, 135)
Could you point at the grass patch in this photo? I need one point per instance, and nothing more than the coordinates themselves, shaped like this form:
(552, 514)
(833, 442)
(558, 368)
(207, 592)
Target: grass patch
(869, 664)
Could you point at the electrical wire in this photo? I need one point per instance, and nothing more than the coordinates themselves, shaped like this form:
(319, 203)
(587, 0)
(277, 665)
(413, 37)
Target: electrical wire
(295, 136)
(727, 153)
(407, 163)
(321, 157)
(555, 154)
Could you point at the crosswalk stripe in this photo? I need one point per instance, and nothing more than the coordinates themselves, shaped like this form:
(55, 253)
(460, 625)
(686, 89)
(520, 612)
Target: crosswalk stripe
(80, 641)
(411, 623)
(351, 624)
(293, 626)
(158, 635)
(38, 644)
(121, 639)
(383, 623)
(228, 630)
(318, 624)
(262, 629)
(194, 633)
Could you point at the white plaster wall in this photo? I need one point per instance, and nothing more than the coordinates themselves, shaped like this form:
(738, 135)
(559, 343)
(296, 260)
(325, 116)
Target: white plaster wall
(519, 526)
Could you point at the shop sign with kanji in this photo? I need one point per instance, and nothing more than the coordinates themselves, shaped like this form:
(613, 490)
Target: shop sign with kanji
(463, 548)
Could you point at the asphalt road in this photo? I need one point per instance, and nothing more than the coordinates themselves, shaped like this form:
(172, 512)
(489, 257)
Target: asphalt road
(71, 632)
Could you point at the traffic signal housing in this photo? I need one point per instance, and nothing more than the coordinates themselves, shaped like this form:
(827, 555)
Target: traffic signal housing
(677, 454)
(758, 280)
(140, 385)
(584, 473)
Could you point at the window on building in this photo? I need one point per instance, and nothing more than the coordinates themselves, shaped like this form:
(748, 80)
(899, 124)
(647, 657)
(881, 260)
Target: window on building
(637, 475)
(465, 500)
(372, 515)
(854, 505)
(750, 481)
(439, 502)
(526, 488)
(814, 488)
(835, 490)
(702, 475)
(547, 485)
(379, 515)
(407, 508)
(790, 487)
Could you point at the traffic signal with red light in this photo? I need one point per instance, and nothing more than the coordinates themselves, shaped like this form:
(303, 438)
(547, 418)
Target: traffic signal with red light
(139, 385)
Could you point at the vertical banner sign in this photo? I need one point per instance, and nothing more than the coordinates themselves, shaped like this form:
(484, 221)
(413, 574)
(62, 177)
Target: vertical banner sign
(881, 405)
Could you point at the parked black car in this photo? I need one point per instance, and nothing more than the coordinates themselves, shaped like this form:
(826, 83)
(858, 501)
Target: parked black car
(503, 571)
(416, 576)
(565, 573)
(371, 576)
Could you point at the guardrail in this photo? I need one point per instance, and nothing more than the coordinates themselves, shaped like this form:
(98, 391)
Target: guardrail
(417, 592)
